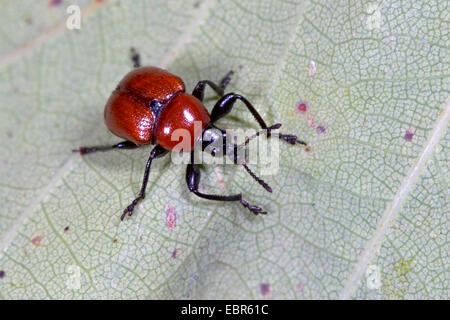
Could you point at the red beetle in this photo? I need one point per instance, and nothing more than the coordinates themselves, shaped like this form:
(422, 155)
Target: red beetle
(150, 103)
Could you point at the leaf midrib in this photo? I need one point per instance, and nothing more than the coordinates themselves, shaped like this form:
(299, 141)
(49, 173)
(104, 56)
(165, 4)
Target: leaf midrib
(395, 205)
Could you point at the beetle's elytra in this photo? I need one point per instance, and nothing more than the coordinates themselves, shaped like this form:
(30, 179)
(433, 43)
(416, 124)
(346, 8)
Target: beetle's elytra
(150, 103)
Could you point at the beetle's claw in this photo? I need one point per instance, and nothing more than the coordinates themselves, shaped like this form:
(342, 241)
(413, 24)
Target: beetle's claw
(81, 150)
(254, 209)
(226, 80)
(84, 150)
(128, 211)
(123, 215)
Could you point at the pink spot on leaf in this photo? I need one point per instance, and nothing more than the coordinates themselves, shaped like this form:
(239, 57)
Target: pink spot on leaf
(265, 290)
(219, 178)
(36, 240)
(321, 129)
(299, 287)
(302, 107)
(171, 217)
(311, 122)
(409, 134)
(54, 3)
(175, 253)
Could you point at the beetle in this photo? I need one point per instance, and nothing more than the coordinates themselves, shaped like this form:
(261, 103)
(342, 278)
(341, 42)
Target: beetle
(150, 103)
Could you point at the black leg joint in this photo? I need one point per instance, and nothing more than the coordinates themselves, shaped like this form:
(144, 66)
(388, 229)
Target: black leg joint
(226, 80)
(192, 177)
(157, 152)
(226, 103)
(199, 89)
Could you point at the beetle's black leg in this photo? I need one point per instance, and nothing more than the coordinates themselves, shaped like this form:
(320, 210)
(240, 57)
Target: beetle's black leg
(264, 184)
(193, 181)
(226, 80)
(226, 103)
(135, 57)
(216, 150)
(199, 89)
(157, 152)
(120, 145)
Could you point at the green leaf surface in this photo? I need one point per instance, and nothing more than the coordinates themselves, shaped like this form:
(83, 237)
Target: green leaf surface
(364, 214)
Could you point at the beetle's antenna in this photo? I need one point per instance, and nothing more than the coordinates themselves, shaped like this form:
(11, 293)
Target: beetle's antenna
(258, 179)
(289, 138)
(273, 127)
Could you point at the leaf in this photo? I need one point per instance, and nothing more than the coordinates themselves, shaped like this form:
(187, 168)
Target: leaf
(364, 214)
